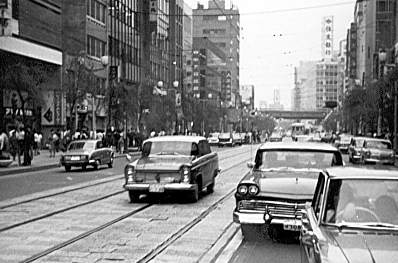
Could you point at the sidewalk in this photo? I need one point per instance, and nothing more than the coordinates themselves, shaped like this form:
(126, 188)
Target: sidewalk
(44, 162)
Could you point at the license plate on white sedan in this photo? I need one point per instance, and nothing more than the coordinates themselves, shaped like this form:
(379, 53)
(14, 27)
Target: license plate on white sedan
(75, 158)
(291, 225)
(156, 188)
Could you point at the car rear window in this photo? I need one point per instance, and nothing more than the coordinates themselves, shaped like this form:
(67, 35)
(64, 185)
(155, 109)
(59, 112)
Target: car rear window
(81, 146)
(297, 159)
(168, 148)
(382, 145)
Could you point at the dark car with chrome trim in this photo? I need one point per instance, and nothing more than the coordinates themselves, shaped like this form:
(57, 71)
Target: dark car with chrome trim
(377, 151)
(172, 164)
(83, 153)
(271, 196)
(343, 143)
(355, 149)
(353, 217)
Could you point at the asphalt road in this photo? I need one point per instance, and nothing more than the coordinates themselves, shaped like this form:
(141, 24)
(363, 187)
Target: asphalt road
(31, 182)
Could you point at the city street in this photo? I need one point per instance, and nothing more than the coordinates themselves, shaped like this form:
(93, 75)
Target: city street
(94, 221)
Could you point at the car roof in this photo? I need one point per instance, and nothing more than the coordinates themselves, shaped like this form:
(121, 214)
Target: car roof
(355, 172)
(176, 138)
(298, 146)
(377, 140)
(88, 140)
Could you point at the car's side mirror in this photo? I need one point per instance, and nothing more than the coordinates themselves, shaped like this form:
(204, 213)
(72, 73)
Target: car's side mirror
(251, 164)
(129, 157)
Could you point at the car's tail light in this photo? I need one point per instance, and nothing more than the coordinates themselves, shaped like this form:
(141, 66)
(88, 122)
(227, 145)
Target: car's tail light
(242, 189)
(129, 174)
(185, 174)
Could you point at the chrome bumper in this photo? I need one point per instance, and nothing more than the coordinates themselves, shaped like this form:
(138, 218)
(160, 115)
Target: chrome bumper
(256, 218)
(171, 187)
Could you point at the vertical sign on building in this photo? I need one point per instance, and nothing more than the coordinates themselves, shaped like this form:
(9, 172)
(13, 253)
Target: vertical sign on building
(153, 10)
(327, 37)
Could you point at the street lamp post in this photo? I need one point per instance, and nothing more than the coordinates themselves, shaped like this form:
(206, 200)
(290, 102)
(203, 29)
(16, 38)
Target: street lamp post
(382, 60)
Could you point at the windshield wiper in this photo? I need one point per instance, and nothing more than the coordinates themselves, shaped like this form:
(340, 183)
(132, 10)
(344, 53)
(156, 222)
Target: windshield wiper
(340, 226)
(167, 153)
(380, 224)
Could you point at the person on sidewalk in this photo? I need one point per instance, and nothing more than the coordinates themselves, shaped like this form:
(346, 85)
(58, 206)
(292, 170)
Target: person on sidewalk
(51, 146)
(27, 147)
(13, 144)
(4, 145)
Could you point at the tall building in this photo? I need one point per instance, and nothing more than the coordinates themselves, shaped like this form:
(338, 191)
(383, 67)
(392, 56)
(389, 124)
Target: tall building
(187, 39)
(222, 26)
(306, 85)
(247, 94)
(99, 28)
(375, 25)
(30, 38)
(276, 104)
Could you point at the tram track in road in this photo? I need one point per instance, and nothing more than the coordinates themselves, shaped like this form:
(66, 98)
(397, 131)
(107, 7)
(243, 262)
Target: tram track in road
(153, 253)
(81, 204)
(232, 150)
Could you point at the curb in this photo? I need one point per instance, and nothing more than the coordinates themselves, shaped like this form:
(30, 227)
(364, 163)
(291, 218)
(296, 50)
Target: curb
(49, 166)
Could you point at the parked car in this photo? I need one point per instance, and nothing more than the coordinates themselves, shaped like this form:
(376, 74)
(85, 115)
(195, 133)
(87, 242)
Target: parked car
(343, 143)
(270, 197)
(172, 164)
(83, 153)
(355, 149)
(275, 137)
(353, 217)
(228, 139)
(213, 139)
(377, 151)
(304, 138)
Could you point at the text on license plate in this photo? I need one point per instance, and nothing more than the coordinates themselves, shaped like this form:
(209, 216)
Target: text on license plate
(75, 158)
(156, 188)
(292, 226)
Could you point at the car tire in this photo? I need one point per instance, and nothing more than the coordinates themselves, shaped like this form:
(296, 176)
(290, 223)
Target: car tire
(67, 168)
(210, 187)
(134, 197)
(84, 167)
(252, 232)
(110, 164)
(194, 195)
(96, 164)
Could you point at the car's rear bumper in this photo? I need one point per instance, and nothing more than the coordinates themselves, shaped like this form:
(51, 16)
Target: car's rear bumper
(144, 188)
(258, 218)
(77, 163)
(379, 161)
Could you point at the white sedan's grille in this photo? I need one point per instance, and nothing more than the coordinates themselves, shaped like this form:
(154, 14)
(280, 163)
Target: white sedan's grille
(158, 177)
(273, 208)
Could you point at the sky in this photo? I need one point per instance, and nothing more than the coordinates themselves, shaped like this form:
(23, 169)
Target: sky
(274, 40)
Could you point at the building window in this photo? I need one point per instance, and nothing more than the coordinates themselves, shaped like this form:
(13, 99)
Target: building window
(96, 10)
(15, 9)
(95, 47)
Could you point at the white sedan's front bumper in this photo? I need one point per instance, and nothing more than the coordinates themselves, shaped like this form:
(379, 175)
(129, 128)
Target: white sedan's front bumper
(171, 187)
(256, 218)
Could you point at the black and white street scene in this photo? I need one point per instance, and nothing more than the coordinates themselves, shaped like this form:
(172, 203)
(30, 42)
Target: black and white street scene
(203, 131)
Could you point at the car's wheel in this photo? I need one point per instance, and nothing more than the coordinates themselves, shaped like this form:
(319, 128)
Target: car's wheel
(134, 197)
(252, 232)
(194, 195)
(68, 168)
(349, 159)
(96, 164)
(110, 164)
(84, 167)
(210, 187)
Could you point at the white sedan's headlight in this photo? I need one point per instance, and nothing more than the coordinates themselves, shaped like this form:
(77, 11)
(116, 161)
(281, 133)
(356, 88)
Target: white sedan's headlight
(253, 190)
(242, 189)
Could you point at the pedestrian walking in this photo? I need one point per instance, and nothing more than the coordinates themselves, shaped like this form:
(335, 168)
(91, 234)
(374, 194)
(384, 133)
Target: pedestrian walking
(27, 147)
(39, 142)
(51, 146)
(13, 144)
(35, 143)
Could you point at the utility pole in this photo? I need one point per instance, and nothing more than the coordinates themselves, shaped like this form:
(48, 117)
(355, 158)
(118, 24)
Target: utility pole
(395, 115)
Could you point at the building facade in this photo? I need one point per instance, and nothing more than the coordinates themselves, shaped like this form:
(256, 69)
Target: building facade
(30, 65)
(222, 26)
(247, 94)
